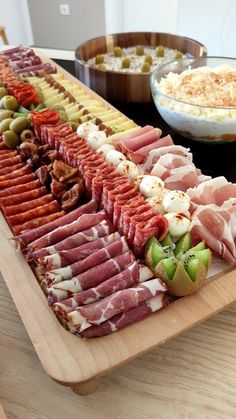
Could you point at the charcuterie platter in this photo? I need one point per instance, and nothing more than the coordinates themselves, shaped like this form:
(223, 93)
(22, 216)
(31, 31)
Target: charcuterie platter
(72, 360)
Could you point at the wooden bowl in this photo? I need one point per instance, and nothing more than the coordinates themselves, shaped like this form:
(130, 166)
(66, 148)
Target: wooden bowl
(117, 86)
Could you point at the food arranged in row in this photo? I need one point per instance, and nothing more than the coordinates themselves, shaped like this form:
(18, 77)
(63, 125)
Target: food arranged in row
(135, 59)
(131, 215)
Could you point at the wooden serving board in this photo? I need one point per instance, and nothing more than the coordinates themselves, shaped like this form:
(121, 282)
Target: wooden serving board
(78, 363)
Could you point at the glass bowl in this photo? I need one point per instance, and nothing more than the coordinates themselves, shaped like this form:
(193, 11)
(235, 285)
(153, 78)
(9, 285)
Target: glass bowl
(213, 123)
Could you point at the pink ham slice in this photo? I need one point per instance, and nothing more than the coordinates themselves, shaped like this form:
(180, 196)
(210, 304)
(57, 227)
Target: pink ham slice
(216, 225)
(140, 155)
(96, 275)
(67, 257)
(96, 313)
(214, 191)
(31, 236)
(100, 230)
(111, 250)
(154, 156)
(127, 317)
(83, 222)
(130, 276)
(137, 142)
(184, 177)
(125, 139)
(167, 163)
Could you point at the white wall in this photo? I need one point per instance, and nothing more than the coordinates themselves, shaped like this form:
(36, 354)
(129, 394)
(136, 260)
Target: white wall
(14, 16)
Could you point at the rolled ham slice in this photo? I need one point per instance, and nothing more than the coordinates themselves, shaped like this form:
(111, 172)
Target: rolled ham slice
(67, 257)
(100, 230)
(140, 155)
(128, 317)
(111, 250)
(32, 236)
(96, 275)
(96, 313)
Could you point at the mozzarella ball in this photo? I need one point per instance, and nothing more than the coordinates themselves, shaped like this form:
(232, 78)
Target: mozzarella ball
(156, 203)
(84, 129)
(103, 150)
(96, 139)
(178, 224)
(114, 157)
(176, 201)
(128, 168)
(152, 186)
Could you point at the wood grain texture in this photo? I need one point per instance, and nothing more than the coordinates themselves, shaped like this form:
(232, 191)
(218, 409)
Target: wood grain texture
(190, 377)
(116, 86)
(2, 414)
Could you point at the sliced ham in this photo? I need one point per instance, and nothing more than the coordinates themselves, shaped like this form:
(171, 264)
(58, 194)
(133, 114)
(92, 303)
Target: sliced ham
(96, 275)
(154, 156)
(96, 313)
(32, 236)
(67, 257)
(130, 276)
(217, 227)
(100, 230)
(140, 155)
(214, 191)
(128, 317)
(111, 250)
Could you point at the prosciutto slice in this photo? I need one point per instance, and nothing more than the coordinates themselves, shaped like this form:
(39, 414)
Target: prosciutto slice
(217, 226)
(32, 236)
(140, 155)
(67, 257)
(96, 275)
(100, 230)
(83, 222)
(130, 276)
(154, 156)
(128, 317)
(111, 250)
(214, 191)
(96, 313)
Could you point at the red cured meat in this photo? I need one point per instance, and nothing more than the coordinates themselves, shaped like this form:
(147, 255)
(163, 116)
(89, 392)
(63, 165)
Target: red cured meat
(10, 161)
(12, 202)
(16, 173)
(123, 139)
(111, 250)
(36, 222)
(96, 275)
(20, 188)
(119, 206)
(141, 154)
(37, 212)
(66, 257)
(127, 213)
(31, 236)
(9, 169)
(216, 225)
(127, 317)
(28, 205)
(123, 300)
(83, 222)
(100, 230)
(16, 181)
(157, 226)
(7, 155)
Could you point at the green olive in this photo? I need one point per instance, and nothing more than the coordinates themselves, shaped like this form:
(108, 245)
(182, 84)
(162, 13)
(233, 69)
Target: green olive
(178, 55)
(3, 92)
(27, 134)
(102, 66)
(126, 62)
(10, 139)
(160, 52)
(5, 114)
(148, 59)
(139, 51)
(9, 102)
(99, 59)
(117, 52)
(5, 124)
(146, 68)
(19, 124)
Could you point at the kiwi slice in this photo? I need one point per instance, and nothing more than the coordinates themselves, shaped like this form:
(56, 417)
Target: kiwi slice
(183, 245)
(191, 268)
(155, 252)
(167, 241)
(199, 246)
(170, 265)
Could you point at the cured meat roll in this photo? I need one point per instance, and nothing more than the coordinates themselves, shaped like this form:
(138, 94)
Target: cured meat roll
(8, 183)
(37, 212)
(111, 250)
(16, 173)
(127, 317)
(27, 205)
(10, 204)
(96, 313)
(20, 189)
(10, 169)
(36, 222)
